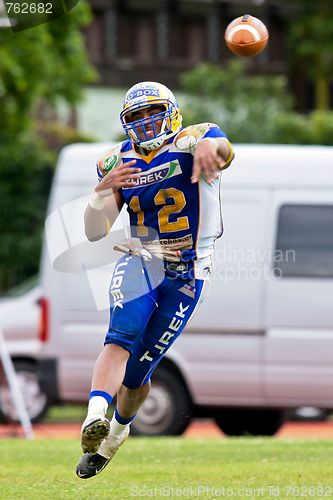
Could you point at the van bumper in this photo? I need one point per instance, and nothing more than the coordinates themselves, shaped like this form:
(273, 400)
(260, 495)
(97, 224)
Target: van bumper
(47, 376)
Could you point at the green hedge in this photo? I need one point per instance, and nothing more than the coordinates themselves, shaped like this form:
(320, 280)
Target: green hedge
(26, 171)
(250, 109)
(294, 128)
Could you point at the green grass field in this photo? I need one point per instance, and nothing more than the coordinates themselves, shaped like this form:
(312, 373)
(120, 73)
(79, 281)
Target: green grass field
(171, 467)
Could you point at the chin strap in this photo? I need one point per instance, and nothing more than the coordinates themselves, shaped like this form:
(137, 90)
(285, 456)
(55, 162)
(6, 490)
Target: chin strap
(163, 138)
(153, 143)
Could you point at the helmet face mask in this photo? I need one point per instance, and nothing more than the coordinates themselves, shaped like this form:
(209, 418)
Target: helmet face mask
(150, 132)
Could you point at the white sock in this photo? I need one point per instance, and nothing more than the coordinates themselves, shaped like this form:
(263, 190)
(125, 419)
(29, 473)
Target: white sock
(116, 428)
(110, 444)
(97, 407)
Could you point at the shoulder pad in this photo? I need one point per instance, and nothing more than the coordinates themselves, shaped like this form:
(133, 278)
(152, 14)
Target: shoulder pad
(187, 138)
(110, 159)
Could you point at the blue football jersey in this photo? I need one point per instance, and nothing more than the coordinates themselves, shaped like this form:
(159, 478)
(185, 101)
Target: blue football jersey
(164, 207)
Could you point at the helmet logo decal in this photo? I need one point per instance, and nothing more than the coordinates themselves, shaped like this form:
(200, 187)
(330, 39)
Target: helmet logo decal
(143, 92)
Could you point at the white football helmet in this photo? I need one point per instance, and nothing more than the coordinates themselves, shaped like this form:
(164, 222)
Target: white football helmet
(145, 94)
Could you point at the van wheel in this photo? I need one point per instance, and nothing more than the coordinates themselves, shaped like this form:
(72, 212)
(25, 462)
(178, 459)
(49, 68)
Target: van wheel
(249, 422)
(167, 411)
(35, 399)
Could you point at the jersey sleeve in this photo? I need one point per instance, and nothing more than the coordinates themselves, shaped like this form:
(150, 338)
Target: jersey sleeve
(213, 131)
(187, 139)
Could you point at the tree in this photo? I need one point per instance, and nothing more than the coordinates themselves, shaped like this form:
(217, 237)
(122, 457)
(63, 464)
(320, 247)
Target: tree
(311, 45)
(244, 106)
(250, 108)
(46, 64)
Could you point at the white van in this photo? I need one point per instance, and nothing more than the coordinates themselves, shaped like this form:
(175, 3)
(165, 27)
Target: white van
(261, 343)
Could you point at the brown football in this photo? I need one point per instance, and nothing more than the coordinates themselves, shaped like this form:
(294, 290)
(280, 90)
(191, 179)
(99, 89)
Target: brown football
(246, 36)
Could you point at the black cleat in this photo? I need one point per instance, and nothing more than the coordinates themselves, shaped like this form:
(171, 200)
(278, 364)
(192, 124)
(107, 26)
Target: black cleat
(90, 465)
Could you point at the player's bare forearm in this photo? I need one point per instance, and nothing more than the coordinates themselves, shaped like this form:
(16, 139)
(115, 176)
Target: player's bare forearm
(98, 222)
(225, 151)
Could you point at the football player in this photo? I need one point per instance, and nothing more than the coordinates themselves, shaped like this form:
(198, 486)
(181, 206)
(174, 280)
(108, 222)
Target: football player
(169, 178)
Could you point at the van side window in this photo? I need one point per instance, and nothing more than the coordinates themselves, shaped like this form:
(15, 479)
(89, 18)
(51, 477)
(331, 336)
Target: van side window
(304, 243)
